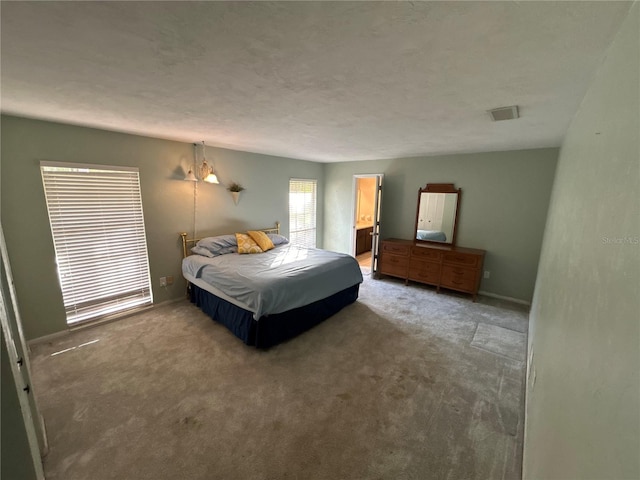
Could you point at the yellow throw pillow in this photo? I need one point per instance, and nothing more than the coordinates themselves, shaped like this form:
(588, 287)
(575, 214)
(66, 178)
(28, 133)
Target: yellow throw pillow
(261, 239)
(246, 244)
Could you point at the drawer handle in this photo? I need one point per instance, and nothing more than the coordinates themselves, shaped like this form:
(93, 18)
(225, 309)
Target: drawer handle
(465, 260)
(457, 283)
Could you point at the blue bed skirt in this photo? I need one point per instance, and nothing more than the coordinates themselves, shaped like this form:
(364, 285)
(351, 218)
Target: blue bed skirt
(270, 329)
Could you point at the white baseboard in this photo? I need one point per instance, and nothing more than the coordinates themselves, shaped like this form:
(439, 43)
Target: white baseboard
(503, 297)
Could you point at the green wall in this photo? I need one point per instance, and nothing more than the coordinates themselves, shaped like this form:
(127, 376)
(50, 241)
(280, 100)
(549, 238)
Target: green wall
(167, 199)
(583, 389)
(505, 197)
(504, 202)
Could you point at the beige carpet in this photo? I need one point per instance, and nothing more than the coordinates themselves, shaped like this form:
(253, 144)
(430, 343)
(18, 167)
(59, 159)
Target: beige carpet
(403, 384)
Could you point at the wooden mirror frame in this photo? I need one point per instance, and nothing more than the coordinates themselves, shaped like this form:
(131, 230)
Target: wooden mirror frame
(438, 188)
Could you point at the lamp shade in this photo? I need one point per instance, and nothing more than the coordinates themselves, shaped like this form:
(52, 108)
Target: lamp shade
(206, 173)
(211, 177)
(191, 177)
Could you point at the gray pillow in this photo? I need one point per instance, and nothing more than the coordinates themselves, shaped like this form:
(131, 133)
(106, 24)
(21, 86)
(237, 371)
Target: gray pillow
(277, 239)
(214, 246)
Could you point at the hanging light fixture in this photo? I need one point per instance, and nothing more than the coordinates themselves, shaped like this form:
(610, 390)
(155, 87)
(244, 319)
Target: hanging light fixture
(206, 171)
(190, 176)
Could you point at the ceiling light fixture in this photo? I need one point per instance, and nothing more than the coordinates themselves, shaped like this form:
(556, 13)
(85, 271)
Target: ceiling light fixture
(205, 171)
(190, 176)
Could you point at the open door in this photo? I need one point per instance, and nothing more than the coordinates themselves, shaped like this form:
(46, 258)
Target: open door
(366, 220)
(375, 240)
(21, 420)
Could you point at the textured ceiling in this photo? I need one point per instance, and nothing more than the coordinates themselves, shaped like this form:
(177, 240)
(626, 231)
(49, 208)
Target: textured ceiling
(318, 81)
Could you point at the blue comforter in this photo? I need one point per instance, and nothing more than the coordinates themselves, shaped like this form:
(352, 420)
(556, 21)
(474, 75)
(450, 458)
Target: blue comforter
(286, 277)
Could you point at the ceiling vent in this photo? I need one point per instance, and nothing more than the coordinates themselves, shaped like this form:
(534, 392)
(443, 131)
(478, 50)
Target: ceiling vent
(504, 113)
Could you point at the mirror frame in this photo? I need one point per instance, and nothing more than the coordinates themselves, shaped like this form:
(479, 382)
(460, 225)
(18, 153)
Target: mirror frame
(439, 188)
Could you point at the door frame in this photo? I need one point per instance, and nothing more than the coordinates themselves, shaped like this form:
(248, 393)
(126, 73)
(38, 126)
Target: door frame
(376, 219)
(18, 354)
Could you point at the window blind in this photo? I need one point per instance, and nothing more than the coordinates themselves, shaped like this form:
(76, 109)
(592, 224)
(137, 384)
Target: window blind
(302, 212)
(98, 232)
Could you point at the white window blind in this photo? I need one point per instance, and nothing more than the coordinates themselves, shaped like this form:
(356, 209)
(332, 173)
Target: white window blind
(302, 212)
(97, 224)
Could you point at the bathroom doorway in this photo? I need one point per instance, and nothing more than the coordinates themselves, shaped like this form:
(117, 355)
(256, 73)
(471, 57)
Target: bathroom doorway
(366, 220)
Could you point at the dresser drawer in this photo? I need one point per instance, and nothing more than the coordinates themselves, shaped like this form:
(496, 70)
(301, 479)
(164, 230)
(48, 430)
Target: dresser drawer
(396, 248)
(454, 268)
(394, 265)
(423, 271)
(459, 278)
(457, 258)
(426, 253)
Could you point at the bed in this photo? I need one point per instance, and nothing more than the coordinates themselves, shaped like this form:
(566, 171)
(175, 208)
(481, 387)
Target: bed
(269, 297)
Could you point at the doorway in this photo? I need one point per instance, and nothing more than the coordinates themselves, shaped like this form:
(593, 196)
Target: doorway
(367, 196)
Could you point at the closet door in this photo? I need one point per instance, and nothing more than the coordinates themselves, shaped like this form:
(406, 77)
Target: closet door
(433, 213)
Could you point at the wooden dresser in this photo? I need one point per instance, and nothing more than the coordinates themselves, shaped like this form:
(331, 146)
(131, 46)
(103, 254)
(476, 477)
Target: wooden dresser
(455, 268)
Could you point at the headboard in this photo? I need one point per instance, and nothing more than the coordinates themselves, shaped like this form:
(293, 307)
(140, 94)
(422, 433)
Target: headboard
(190, 241)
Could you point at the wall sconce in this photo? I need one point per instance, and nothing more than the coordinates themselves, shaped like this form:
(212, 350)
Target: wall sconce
(205, 171)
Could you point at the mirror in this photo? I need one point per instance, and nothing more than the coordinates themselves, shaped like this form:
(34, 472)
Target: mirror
(437, 213)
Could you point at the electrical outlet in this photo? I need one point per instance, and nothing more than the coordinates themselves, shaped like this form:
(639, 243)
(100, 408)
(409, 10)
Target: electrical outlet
(487, 274)
(170, 280)
(163, 281)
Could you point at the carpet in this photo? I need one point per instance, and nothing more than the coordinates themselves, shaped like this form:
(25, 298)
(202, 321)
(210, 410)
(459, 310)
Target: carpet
(501, 341)
(403, 384)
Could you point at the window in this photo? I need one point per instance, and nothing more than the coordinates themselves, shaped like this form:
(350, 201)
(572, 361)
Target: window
(302, 212)
(96, 220)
